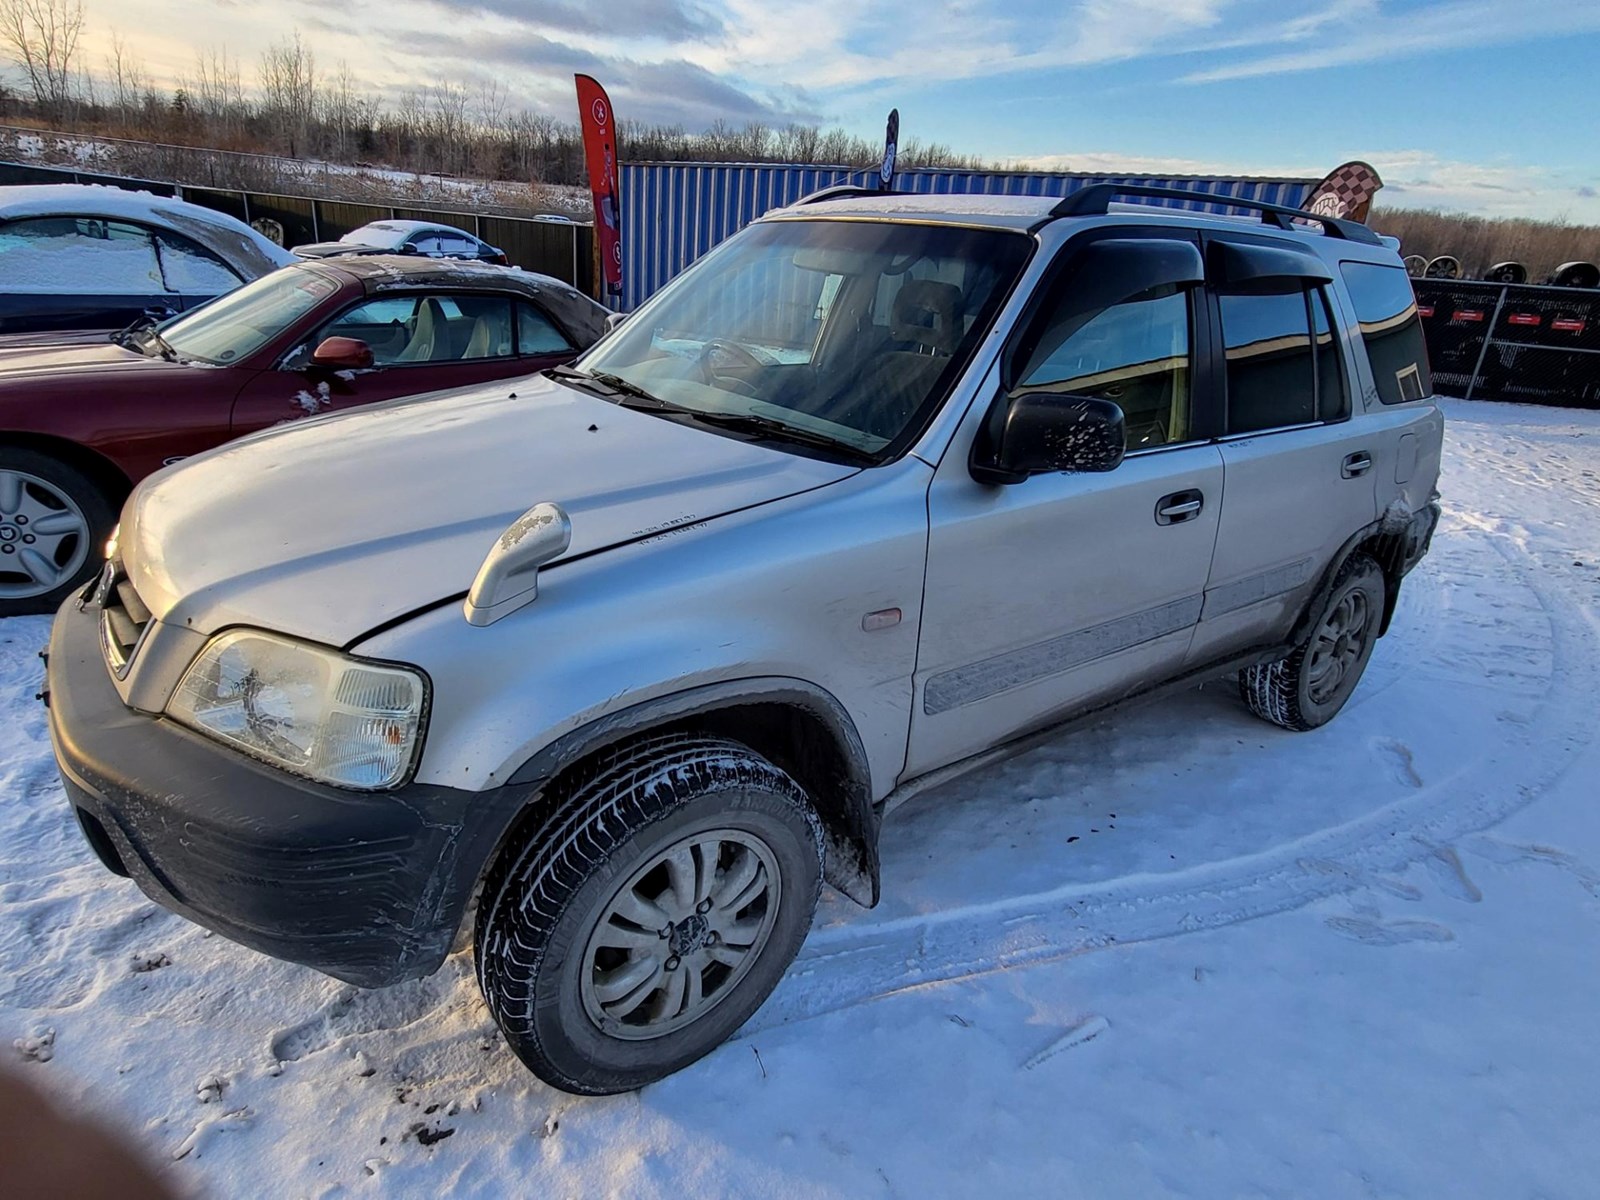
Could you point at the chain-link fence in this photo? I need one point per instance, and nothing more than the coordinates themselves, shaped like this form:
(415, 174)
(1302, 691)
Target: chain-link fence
(1495, 341)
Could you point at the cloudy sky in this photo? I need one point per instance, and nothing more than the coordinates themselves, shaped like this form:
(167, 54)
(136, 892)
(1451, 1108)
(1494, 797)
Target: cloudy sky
(1483, 105)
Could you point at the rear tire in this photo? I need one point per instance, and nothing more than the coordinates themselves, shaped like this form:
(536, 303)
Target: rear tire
(1308, 686)
(651, 913)
(54, 521)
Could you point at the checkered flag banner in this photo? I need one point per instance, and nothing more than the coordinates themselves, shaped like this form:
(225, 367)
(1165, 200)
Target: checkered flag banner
(1347, 192)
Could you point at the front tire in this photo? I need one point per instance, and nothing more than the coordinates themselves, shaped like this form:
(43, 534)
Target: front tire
(1306, 688)
(54, 520)
(651, 914)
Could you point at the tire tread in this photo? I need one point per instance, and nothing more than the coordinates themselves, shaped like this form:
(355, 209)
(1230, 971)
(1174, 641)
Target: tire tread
(593, 813)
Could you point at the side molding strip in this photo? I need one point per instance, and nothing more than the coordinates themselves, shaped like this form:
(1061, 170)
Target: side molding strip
(968, 684)
(1255, 588)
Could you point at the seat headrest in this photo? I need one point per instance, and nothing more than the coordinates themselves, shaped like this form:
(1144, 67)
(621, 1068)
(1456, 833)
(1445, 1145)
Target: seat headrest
(925, 313)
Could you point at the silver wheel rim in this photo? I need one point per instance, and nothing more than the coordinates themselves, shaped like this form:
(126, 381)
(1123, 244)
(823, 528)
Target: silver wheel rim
(680, 934)
(44, 536)
(1338, 646)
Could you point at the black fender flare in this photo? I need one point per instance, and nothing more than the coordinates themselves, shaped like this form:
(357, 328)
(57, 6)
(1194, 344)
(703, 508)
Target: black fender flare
(836, 774)
(1397, 547)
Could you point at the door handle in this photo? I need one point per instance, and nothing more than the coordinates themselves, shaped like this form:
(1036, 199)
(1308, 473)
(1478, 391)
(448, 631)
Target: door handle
(1356, 464)
(1179, 507)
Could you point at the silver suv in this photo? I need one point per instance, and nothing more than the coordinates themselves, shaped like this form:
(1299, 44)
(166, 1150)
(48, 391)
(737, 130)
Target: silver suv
(619, 663)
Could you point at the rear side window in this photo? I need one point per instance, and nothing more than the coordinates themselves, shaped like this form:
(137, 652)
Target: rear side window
(1271, 367)
(192, 270)
(1283, 361)
(1386, 309)
(1333, 390)
(537, 334)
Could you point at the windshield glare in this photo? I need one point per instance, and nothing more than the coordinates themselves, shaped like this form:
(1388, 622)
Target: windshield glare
(234, 326)
(849, 329)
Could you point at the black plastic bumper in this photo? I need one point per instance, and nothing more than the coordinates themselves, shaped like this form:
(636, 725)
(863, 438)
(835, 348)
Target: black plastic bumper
(369, 888)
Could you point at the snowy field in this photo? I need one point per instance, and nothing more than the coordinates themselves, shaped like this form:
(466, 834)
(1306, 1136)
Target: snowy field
(1178, 952)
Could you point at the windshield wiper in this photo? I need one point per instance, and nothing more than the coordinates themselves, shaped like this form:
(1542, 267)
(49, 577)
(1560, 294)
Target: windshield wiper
(124, 336)
(767, 427)
(167, 352)
(780, 431)
(604, 381)
(629, 388)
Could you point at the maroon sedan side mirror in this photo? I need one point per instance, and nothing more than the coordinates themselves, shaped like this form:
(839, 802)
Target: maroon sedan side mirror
(342, 353)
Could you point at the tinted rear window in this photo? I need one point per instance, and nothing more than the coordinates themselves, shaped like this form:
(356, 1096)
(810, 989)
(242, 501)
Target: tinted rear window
(1386, 308)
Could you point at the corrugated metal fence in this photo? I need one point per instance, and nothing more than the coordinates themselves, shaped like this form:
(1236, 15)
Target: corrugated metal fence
(672, 213)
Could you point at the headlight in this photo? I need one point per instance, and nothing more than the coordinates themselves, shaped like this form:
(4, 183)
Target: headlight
(308, 709)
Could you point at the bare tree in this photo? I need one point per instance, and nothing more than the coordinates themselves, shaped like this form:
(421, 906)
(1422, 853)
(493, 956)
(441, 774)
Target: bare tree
(217, 93)
(125, 80)
(342, 111)
(447, 127)
(42, 36)
(288, 75)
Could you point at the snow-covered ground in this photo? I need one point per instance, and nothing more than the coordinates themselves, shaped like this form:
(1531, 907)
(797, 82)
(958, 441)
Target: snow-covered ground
(1177, 952)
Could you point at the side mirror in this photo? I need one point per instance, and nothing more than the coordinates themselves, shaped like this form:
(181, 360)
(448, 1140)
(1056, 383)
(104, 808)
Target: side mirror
(342, 354)
(1037, 433)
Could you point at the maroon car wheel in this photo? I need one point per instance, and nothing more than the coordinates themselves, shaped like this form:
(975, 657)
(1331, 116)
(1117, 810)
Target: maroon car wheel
(54, 521)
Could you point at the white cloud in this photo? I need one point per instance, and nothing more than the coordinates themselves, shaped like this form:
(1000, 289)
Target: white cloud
(1370, 32)
(841, 44)
(1412, 179)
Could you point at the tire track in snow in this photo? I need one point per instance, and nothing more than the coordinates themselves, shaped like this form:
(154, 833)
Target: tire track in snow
(845, 966)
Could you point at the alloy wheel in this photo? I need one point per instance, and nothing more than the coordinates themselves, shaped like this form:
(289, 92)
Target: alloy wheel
(1338, 646)
(44, 536)
(680, 934)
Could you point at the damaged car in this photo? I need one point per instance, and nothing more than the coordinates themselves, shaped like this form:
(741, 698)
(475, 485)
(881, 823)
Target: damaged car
(608, 676)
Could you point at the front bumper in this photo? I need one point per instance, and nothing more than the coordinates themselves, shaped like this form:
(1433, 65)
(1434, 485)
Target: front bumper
(369, 888)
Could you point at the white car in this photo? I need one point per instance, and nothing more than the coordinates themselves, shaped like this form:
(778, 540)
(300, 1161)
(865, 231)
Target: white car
(407, 237)
(79, 256)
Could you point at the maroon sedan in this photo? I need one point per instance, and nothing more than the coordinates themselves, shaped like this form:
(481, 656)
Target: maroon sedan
(82, 421)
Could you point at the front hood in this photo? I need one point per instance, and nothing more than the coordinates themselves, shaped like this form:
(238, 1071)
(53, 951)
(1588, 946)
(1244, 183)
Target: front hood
(56, 355)
(327, 528)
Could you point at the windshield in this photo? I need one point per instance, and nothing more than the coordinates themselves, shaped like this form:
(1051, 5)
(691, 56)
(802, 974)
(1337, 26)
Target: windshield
(848, 330)
(237, 325)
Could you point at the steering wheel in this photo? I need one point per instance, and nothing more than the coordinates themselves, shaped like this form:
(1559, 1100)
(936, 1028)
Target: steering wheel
(710, 374)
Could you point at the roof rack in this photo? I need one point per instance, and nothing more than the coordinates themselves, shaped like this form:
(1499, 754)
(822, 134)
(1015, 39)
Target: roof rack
(1095, 200)
(840, 191)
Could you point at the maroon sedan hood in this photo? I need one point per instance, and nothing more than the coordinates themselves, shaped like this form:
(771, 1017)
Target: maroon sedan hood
(28, 359)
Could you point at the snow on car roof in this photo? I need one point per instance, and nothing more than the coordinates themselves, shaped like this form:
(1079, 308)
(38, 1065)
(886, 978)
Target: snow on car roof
(395, 231)
(218, 232)
(233, 240)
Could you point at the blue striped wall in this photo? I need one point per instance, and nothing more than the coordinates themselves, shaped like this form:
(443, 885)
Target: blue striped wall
(672, 213)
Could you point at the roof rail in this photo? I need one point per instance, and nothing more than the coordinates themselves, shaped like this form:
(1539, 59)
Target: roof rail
(841, 190)
(1095, 200)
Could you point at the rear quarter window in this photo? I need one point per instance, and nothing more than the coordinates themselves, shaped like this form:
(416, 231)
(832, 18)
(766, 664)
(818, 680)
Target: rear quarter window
(1391, 330)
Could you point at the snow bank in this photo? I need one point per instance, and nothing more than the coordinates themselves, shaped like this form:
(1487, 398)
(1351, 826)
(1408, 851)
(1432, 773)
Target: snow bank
(1177, 952)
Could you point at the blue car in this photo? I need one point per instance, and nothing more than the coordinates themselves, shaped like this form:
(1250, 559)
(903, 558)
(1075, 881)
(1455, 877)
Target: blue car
(75, 256)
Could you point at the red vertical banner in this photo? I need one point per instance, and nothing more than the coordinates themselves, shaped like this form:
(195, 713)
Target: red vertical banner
(600, 155)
